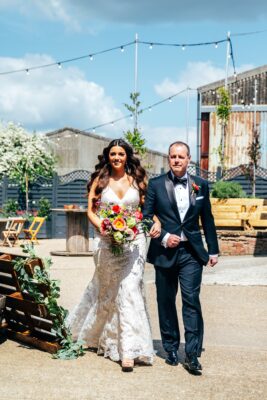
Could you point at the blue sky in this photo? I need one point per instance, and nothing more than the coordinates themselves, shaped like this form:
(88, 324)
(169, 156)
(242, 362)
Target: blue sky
(85, 93)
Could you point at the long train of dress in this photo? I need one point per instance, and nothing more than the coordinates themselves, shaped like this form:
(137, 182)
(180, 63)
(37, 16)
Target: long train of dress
(112, 314)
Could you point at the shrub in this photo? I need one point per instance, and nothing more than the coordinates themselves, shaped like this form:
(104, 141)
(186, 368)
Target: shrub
(10, 208)
(44, 207)
(226, 190)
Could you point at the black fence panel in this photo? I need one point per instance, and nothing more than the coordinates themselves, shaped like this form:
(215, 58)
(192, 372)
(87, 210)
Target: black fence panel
(71, 189)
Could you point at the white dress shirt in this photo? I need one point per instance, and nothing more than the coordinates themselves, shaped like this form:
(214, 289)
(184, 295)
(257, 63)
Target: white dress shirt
(183, 203)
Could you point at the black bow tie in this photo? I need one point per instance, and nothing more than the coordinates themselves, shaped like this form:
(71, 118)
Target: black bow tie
(180, 181)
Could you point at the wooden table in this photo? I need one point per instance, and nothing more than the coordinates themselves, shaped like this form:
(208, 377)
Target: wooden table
(77, 238)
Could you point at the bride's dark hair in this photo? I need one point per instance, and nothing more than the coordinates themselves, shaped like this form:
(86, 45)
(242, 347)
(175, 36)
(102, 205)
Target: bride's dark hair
(103, 169)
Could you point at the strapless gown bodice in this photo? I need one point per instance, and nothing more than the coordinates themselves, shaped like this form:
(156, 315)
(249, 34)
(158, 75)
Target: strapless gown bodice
(130, 198)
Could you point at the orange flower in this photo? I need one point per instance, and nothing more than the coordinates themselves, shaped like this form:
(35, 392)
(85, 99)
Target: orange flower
(119, 224)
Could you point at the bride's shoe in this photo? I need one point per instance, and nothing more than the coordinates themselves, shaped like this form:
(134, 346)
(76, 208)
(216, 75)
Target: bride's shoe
(127, 365)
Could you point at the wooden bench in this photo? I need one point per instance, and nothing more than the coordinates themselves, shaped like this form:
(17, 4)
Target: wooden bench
(240, 213)
(25, 320)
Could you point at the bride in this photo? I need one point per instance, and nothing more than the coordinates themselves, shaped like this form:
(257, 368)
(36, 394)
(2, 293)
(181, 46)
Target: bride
(112, 315)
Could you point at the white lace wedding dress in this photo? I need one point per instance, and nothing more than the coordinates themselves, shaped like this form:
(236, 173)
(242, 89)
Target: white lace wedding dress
(112, 314)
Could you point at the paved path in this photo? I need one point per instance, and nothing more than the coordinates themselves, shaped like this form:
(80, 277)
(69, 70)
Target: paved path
(234, 302)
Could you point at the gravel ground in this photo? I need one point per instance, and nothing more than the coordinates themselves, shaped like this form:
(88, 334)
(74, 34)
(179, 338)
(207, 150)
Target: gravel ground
(234, 362)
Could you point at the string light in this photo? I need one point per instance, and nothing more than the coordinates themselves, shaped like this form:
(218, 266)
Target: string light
(121, 47)
(142, 110)
(59, 65)
(27, 71)
(216, 45)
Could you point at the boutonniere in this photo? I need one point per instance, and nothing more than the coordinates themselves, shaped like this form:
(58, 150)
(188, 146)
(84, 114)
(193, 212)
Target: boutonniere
(195, 188)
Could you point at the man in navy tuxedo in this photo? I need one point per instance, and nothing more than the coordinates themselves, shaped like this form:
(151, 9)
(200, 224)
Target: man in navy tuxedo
(179, 200)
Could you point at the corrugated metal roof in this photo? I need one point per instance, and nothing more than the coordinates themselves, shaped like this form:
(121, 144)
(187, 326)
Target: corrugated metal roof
(252, 73)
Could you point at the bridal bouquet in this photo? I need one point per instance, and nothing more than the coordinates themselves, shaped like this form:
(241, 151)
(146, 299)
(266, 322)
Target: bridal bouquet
(120, 223)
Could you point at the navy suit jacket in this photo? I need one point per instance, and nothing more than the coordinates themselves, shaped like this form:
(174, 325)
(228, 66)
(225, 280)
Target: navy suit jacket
(161, 201)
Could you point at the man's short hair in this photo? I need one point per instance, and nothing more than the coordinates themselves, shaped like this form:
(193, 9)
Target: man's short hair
(179, 143)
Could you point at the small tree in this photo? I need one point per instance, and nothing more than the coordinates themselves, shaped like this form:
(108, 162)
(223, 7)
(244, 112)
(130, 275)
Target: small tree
(24, 156)
(223, 111)
(254, 154)
(134, 137)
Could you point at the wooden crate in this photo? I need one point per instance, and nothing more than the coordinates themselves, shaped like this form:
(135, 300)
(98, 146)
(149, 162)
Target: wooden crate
(26, 321)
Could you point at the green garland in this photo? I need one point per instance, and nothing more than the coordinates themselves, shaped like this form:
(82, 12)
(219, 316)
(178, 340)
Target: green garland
(31, 285)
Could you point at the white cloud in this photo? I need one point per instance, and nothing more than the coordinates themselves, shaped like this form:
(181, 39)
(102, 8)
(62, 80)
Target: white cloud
(56, 10)
(195, 74)
(141, 11)
(51, 98)
(159, 138)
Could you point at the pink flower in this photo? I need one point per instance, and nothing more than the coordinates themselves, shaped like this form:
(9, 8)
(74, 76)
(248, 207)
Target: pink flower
(130, 234)
(105, 227)
(138, 215)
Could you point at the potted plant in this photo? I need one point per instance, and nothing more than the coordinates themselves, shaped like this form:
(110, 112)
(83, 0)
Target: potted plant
(44, 210)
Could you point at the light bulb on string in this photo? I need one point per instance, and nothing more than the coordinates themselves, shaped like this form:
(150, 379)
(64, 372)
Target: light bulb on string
(27, 71)
(131, 116)
(183, 47)
(93, 130)
(216, 45)
(112, 123)
(151, 46)
(91, 57)
(170, 99)
(149, 109)
(59, 65)
(122, 49)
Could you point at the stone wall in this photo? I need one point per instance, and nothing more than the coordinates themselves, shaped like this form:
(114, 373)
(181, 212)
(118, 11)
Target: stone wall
(237, 243)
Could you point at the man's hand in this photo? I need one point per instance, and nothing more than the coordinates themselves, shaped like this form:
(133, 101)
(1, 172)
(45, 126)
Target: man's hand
(212, 261)
(155, 230)
(173, 241)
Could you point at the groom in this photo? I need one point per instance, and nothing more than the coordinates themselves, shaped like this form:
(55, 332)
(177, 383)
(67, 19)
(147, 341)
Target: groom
(178, 200)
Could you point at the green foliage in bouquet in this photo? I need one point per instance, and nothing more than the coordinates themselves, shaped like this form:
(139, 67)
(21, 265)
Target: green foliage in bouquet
(226, 190)
(32, 285)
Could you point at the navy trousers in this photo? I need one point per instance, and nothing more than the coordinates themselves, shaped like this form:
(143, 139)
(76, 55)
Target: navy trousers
(188, 272)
